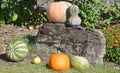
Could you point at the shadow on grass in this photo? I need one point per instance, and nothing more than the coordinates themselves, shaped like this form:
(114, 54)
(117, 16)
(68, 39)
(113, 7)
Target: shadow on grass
(5, 58)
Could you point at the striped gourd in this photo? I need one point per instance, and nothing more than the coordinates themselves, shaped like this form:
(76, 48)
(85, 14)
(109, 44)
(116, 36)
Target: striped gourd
(17, 51)
(79, 63)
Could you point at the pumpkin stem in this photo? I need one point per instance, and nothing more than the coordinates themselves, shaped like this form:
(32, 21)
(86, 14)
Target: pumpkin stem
(59, 52)
(73, 2)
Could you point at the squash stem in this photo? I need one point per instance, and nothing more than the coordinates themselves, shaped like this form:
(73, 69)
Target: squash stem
(59, 52)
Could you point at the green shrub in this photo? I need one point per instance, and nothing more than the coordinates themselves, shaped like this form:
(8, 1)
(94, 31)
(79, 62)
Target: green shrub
(29, 40)
(19, 12)
(112, 35)
(95, 14)
(89, 12)
(110, 13)
(23, 39)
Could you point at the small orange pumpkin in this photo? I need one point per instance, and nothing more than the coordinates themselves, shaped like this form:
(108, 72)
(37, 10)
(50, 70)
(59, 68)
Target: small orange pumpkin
(59, 62)
(56, 11)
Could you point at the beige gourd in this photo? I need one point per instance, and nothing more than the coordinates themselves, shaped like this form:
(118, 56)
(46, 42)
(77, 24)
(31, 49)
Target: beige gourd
(73, 19)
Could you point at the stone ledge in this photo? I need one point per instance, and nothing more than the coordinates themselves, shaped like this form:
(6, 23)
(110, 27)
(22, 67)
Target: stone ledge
(81, 41)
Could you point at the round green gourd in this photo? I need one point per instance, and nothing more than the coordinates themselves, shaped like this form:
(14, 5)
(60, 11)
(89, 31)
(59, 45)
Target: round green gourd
(79, 63)
(73, 10)
(17, 51)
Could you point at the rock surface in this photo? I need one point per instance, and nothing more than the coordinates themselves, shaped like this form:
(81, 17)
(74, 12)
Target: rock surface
(43, 4)
(76, 40)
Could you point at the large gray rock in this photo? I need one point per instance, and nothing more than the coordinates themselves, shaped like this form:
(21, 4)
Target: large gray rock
(43, 4)
(80, 41)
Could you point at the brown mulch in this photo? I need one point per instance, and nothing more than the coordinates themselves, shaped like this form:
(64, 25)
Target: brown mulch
(9, 31)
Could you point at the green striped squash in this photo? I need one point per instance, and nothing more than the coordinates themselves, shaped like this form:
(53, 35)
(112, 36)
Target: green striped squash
(17, 51)
(79, 63)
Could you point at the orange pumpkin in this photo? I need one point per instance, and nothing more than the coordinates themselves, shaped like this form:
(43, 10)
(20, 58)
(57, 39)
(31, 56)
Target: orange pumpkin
(59, 62)
(56, 12)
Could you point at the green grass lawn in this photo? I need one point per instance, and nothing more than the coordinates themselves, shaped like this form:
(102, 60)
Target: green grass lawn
(31, 68)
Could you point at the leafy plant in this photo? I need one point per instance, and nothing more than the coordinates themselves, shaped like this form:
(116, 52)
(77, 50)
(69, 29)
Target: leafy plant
(29, 40)
(7, 11)
(38, 18)
(112, 35)
(23, 39)
(96, 14)
(19, 12)
(89, 12)
(110, 13)
(2, 22)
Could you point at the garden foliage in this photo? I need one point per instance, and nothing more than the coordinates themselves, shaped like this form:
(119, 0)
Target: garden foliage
(93, 13)
(19, 12)
(28, 40)
(110, 13)
(112, 35)
(97, 14)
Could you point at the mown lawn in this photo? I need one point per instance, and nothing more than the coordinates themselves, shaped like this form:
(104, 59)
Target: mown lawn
(31, 68)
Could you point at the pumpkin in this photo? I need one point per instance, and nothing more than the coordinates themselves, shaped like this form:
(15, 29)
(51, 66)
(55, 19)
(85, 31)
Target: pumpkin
(73, 19)
(79, 62)
(36, 60)
(56, 11)
(59, 62)
(17, 51)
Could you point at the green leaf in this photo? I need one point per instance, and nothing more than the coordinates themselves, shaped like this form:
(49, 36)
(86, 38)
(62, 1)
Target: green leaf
(30, 12)
(96, 1)
(83, 14)
(14, 17)
(3, 6)
(2, 22)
